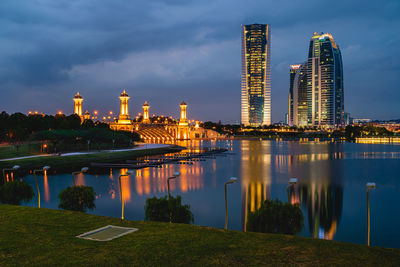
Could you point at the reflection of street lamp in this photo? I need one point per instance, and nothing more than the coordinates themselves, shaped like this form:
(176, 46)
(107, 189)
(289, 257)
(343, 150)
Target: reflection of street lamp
(292, 182)
(370, 186)
(14, 168)
(120, 189)
(231, 181)
(45, 168)
(176, 174)
(84, 169)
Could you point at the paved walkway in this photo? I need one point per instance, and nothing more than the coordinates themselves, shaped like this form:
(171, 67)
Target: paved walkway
(139, 147)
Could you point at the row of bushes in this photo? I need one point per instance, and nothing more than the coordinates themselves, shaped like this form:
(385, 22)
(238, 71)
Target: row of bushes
(273, 216)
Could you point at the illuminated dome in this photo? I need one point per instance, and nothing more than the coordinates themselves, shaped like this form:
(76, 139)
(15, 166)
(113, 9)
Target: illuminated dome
(78, 95)
(124, 93)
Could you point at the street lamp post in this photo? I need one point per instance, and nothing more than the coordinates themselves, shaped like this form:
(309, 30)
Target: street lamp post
(45, 168)
(231, 181)
(176, 174)
(370, 186)
(129, 172)
(14, 168)
(292, 183)
(84, 169)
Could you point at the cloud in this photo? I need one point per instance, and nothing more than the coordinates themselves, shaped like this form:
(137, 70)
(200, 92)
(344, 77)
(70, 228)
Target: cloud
(187, 48)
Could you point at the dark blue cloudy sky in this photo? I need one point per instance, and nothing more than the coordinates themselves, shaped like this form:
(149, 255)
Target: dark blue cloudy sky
(166, 51)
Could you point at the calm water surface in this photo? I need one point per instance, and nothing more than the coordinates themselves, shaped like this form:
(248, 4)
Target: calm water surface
(331, 187)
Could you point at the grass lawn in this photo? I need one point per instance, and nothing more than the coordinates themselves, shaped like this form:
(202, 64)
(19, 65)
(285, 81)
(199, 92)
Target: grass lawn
(44, 237)
(78, 161)
(10, 151)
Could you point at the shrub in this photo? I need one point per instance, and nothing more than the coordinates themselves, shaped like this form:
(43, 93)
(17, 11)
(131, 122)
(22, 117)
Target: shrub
(160, 209)
(276, 217)
(77, 198)
(15, 192)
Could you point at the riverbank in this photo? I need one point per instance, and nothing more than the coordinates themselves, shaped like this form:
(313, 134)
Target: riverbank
(44, 237)
(80, 159)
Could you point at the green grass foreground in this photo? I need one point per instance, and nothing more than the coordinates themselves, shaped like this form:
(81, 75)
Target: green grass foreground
(10, 151)
(44, 237)
(82, 160)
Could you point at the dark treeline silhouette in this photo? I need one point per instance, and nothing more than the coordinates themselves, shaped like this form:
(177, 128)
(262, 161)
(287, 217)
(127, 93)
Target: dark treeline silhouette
(61, 132)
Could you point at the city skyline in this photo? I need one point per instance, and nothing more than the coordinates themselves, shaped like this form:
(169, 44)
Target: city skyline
(186, 51)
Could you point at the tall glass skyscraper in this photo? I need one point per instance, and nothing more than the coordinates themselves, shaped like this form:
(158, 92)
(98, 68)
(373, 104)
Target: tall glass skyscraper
(316, 87)
(298, 95)
(324, 82)
(256, 75)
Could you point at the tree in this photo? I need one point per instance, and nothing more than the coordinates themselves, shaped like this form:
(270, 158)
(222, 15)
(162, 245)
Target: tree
(276, 217)
(15, 192)
(77, 198)
(87, 124)
(160, 209)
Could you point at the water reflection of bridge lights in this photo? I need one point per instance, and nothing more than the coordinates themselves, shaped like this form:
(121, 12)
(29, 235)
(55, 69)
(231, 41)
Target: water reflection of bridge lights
(154, 180)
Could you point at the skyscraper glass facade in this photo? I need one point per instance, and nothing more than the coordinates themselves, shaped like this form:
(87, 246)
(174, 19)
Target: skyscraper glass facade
(256, 75)
(316, 87)
(298, 95)
(324, 82)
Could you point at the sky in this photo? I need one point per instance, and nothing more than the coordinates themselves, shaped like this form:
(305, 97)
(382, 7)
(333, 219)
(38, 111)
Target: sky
(166, 51)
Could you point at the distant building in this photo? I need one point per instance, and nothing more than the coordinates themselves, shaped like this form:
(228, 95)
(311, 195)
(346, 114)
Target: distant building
(286, 118)
(256, 75)
(293, 69)
(361, 121)
(86, 116)
(347, 119)
(325, 95)
(316, 96)
(298, 95)
(390, 126)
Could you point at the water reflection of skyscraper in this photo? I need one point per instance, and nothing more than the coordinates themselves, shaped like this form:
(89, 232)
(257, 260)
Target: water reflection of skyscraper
(255, 176)
(321, 194)
(323, 203)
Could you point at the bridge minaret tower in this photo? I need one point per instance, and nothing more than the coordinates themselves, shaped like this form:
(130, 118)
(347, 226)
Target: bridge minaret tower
(183, 118)
(124, 114)
(183, 127)
(78, 99)
(146, 107)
